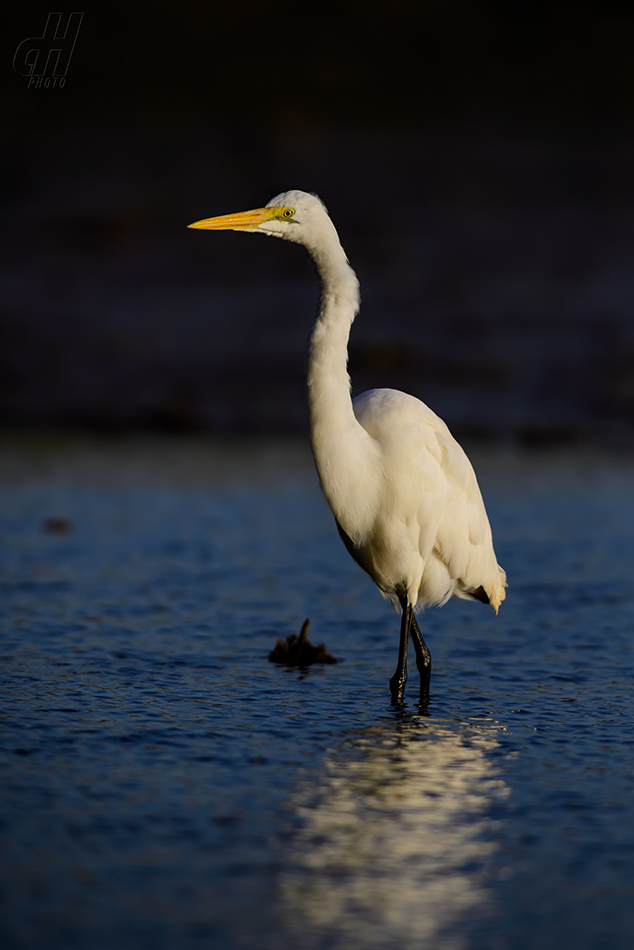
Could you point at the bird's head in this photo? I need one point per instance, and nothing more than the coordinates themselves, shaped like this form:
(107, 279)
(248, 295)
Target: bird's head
(293, 215)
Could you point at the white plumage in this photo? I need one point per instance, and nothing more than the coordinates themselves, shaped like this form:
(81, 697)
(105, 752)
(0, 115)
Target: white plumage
(431, 516)
(403, 492)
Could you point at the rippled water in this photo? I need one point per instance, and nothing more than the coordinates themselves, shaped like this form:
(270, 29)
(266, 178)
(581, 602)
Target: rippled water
(164, 786)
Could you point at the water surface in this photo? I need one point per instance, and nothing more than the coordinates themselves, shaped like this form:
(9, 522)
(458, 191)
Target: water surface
(165, 786)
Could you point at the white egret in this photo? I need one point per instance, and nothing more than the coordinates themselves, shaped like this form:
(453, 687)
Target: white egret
(403, 493)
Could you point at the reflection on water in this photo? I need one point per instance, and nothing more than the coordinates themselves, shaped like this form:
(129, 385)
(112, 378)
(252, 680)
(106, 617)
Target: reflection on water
(396, 838)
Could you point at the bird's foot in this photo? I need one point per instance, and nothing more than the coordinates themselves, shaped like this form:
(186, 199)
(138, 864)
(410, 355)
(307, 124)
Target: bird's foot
(397, 689)
(423, 700)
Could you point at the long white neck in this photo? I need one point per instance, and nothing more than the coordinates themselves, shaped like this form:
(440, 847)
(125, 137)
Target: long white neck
(342, 448)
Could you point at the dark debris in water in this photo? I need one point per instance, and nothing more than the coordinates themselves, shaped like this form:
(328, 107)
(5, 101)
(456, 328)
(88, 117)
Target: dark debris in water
(299, 651)
(56, 525)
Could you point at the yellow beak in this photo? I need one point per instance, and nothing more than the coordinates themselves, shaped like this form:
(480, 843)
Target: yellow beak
(243, 221)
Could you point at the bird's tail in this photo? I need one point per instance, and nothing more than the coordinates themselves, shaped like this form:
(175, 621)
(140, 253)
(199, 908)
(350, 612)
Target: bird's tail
(494, 597)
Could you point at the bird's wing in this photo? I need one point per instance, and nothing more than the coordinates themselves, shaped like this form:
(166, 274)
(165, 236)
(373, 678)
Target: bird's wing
(462, 541)
(441, 491)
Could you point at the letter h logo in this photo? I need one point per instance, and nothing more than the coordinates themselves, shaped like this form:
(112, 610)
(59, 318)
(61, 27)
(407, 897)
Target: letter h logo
(48, 55)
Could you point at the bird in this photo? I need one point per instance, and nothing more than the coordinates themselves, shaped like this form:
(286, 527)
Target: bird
(403, 493)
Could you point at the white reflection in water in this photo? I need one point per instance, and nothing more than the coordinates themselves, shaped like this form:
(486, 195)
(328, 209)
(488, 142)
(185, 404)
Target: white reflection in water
(396, 841)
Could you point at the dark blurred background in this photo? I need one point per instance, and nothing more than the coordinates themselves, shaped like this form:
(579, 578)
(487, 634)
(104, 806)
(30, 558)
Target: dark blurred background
(477, 160)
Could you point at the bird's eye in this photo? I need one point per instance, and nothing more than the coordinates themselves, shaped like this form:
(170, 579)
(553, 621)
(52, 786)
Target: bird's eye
(288, 213)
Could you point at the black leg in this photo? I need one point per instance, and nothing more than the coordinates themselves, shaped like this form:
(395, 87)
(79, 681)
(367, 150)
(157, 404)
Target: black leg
(423, 658)
(398, 681)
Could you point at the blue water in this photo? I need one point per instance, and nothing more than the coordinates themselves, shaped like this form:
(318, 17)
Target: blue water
(164, 786)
